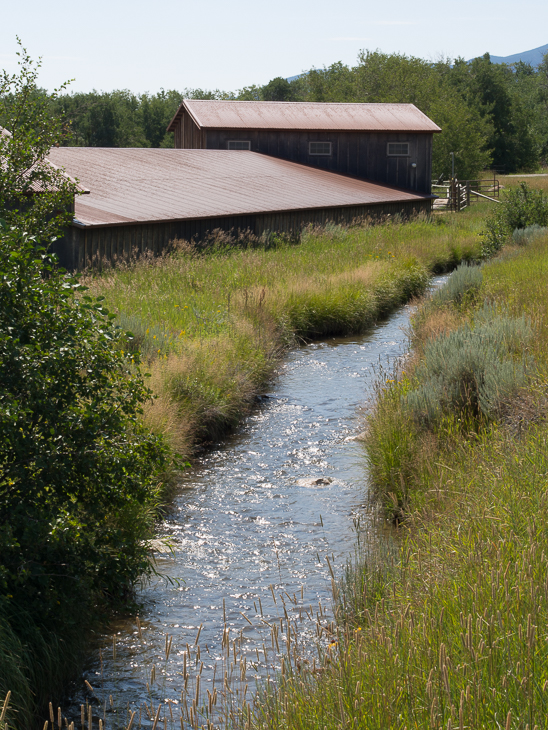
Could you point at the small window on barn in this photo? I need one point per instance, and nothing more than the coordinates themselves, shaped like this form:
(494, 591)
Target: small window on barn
(398, 149)
(319, 148)
(239, 144)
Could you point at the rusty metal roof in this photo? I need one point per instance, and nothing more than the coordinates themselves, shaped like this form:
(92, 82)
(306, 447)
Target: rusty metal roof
(312, 116)
(146, 185)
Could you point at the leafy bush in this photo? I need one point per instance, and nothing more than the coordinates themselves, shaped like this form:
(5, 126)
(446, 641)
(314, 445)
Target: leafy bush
(78, 474)
(523, 236)
(34, 194)
(522, 207)
(463, 280)
(473, 370)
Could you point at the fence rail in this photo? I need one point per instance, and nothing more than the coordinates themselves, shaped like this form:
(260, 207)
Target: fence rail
(456, 195)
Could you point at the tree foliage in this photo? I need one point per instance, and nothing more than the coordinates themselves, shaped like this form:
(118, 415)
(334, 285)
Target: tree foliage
(521, 208)
(490, 113)
(79, 475)
(33, 194)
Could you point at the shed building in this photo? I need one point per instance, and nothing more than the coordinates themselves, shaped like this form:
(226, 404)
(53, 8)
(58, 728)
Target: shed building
(386, 143)
(140, 199)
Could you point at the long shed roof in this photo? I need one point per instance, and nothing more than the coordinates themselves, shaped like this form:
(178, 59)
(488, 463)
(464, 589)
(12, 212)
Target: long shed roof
(312, 116)
(148, 185)
(39, 183)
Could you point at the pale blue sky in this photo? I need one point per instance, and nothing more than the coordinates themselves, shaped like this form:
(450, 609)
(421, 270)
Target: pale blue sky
(144, 46)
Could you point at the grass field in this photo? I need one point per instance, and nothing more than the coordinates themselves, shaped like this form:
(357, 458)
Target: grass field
(452, 630)
(214, 324)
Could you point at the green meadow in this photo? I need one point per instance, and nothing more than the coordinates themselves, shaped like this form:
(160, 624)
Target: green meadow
(448, 627)
(212, 323)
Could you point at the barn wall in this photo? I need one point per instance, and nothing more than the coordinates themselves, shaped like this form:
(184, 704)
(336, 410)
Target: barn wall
(188, 135)
(90, 246)
(362, 155)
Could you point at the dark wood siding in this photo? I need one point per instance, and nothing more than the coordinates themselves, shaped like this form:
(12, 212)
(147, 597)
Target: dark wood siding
(92, 246)
(188, 135)
(362, 155)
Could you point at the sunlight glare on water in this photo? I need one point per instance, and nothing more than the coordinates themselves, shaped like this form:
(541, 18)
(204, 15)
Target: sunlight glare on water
(263, 509)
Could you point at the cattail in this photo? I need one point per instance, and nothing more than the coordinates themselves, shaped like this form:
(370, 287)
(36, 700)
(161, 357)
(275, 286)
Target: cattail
(51, 717)
(90, 717)
(59, 718)
(131, 720)
(157, 717)
(168, 646)
(508, 720)
(198, 635)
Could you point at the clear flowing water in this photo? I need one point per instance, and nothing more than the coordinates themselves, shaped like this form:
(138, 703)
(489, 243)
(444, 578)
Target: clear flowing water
(254, 518)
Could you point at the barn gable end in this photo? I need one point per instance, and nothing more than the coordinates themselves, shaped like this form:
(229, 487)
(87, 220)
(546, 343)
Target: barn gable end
(386, 143)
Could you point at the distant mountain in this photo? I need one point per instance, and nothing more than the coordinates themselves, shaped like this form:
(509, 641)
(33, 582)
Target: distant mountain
(533, 57)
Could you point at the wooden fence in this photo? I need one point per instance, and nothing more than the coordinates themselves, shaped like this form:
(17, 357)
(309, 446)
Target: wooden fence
(456, 195)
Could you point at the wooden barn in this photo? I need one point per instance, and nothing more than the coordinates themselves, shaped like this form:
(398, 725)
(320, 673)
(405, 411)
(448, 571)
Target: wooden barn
(141, 199)
(385, 143)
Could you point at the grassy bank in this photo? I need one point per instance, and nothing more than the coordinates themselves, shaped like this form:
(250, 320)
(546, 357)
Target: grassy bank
(213, 324)
(451, 631)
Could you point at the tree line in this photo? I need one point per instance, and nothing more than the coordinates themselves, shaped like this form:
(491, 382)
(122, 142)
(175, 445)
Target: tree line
(492, 115)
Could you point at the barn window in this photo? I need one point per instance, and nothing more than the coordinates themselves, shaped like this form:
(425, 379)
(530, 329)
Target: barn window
(398, 149)
(319, 148)
(239, 144)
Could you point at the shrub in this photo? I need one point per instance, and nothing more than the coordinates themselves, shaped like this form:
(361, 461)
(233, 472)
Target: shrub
(521, 208)
(523, 236)
(465, 279)
(78, 474)
(472, 371)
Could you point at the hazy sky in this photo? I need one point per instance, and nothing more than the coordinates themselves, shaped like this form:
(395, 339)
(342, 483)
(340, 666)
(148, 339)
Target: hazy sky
(144, 46)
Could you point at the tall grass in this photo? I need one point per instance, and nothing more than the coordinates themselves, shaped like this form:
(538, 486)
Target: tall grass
(213, 322)
(452, 630)
(454, 635)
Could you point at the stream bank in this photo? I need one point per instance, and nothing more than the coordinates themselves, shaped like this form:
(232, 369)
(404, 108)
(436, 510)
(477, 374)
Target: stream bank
(254, 519)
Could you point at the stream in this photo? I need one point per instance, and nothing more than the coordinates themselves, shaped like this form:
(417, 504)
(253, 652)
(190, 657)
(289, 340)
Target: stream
(254, 519)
